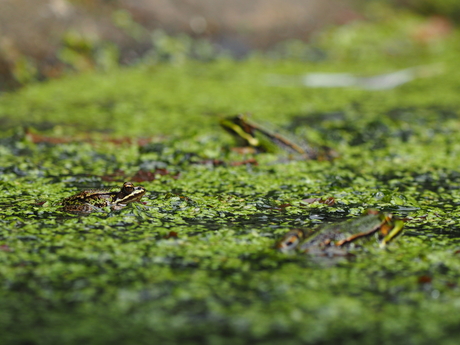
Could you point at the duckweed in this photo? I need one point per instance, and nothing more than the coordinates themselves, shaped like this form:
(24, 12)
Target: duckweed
(195, 262)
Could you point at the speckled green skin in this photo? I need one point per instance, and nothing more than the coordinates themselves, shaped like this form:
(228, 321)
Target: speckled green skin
(89, 201)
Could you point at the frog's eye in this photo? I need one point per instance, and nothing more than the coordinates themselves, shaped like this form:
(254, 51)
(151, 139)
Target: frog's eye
(128, 187)
(290, 240)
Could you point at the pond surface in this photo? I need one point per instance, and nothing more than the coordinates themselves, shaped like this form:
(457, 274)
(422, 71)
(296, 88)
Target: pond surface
(195, 261)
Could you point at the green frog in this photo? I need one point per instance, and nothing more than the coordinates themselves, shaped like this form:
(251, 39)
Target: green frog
(93, 200)
(334, 239)
(246, 131)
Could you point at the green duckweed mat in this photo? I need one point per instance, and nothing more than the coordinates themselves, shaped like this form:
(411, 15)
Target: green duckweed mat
(195, 263)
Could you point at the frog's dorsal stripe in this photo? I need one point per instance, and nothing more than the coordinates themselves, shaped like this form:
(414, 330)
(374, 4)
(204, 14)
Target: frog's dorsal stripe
(279, 139)
(239, 130)
(356, 236)
(283, 142)
(95, 191)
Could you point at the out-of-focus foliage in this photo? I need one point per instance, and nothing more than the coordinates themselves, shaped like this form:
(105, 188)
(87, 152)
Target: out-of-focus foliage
(88, 35)
(447, 8)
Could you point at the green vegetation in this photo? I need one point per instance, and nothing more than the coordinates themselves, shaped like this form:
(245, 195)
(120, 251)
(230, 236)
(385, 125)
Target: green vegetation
(195, 264)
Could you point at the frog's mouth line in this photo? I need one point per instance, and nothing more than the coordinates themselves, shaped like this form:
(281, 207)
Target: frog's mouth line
(136, 195)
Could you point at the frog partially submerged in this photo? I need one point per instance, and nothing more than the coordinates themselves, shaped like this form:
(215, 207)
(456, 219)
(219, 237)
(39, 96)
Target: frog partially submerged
(335, 239)
(94, 200)
(246, 131)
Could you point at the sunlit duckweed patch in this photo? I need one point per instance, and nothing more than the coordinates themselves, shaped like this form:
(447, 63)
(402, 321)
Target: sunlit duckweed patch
(195, 261)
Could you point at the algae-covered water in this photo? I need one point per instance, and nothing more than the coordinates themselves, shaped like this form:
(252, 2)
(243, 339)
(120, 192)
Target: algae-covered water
(195, 262)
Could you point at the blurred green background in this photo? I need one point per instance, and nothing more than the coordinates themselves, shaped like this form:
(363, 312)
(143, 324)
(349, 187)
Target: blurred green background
(56, 37)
